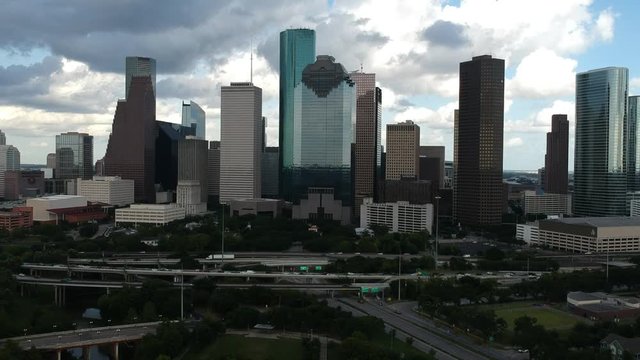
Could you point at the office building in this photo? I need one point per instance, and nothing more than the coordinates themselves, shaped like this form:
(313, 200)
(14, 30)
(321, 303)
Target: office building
(556, 161)
(322, 203)
(546, 203)
(454, 180)
(168, 138)
(156, 214)
(74, 156)
(189, 197)
(193, 116)
(23, 184)
(213, 171)
(397, 216)
(413, 191)
(3, 138)
(434, 165)
(479, 142)
(241, 141)
(260, 207)
(51, 160)
(9, 160)
(368, 147)
(99, 167)
(633, 159)
(297, 50)
(601, 157)
(403, 151)
(137, 66)
(110, 190)
(193, 163)
(270, 172)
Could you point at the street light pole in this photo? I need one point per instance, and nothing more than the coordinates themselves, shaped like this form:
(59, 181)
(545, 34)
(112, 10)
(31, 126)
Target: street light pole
(437, 221)
(222, 239)
(399, 270)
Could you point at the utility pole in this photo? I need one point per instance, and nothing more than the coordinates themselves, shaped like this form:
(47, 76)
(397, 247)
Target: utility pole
(182, 294)
(437, 221)
(399, 270)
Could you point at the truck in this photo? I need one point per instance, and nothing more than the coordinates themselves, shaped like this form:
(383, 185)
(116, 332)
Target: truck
(221, 257)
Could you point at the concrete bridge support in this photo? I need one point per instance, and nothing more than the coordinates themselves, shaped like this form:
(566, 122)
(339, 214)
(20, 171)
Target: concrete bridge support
(59, 293)
(86, 353)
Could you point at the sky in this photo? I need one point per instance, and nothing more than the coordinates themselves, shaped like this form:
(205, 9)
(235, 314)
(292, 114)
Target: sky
(62, 62)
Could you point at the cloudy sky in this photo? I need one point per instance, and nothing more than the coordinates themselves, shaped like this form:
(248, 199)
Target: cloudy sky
(62, 62)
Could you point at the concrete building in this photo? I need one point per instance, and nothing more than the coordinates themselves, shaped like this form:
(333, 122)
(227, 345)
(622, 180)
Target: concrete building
(188, 197)
(74, 156)
(546, 203)
(241, 141)
(51, 160)
(528, 233)
(111, 190)
(413, 191)
(398, 216)
(193, 164)
(9, 160)
(3, 138)
(403, 151)
(23, 183)
(157, 214)
(194, 117)
(42, 206)
(266, 207)
(18, 217)
(213, 171)
(322, 204)
(479, 142)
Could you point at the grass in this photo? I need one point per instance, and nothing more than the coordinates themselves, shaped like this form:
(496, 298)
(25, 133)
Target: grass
(550, 318)
(240, 347)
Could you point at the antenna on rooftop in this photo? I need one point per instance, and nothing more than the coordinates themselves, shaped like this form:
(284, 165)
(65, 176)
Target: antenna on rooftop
(251, 54)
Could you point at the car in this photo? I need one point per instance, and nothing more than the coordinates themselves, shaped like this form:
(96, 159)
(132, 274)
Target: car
(523, 351)
(380, 253)
(21, 275)
(357, 253)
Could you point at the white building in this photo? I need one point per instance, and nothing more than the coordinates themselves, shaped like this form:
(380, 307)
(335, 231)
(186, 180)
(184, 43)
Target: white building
(9, 160)
(528, 233)
(241, 142)
(188, 197)
(157, 214)
(400, 216)
(547, 203)
(110, 190)
(42, 205)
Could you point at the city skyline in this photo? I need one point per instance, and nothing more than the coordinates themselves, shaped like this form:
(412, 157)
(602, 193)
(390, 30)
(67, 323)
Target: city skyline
(52, 86)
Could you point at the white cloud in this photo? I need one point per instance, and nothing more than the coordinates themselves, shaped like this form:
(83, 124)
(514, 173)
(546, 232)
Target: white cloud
(514, 142)
(543, 74)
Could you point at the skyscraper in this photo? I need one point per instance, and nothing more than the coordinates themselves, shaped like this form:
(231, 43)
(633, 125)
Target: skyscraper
(297, 50)
(139, 66)
(3, 138)
(556, 161)
(51, 160)
(633, 168)
(192, 163)
(601, 158)
(131, 149)
(213, 171)
(193, 116)
(241, 141)
(368, 150)
(433, 159)
(9, 161)
(479, 134)
(403, 151)
(74, 156)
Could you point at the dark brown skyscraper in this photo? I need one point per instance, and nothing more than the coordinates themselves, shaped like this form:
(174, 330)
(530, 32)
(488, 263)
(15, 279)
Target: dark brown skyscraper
(368, 150)
(556, 161)
(479, 142)
(131, 148)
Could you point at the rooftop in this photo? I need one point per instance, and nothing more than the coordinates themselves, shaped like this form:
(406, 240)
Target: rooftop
(612, 221)
(583, 296)
(58, 197)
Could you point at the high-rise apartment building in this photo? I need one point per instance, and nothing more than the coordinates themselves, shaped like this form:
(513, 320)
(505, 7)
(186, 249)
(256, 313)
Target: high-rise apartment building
(403, 151)
(131, 149)
(479, 142)
(601, 153)
(368, 149)
(241, 141)
(192, 163)
(74, 156)
(137, 66)
(193, 116)
(556, 161)
(9, 160)
(297, 50)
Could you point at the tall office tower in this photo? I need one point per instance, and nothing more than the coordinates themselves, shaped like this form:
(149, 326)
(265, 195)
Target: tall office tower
(479, 142)
(74, 156)
(213, 171)
(556, 161)
(192, 163)
(432, 157)
(241, 142)
(137, 66)
(368, 149)
(51, 160)
(131, 149)
(264, 134)
(193, 116)
(633, 168)
(454, 184)
(3, 138)
(542, 177)
(297, 50)
(9, 161)
(270, 172)
(99, 167)
(321, 151)
(166, 163)
(403, 151)
(600, 172)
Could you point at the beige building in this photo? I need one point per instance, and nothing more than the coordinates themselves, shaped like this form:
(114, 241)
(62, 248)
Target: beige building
(42, 205)
(399, 216)
(157, 214)
(403, 151)
(110, 190)
(188, 197)
(548, 204)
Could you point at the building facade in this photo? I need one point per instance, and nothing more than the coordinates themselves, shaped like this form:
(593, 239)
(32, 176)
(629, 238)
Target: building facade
(168, 138)
(403, 151)
(111, 190)
(188, 197)
(479, 142)
(261, 207)
(398, 216)
(213, 171)
(633, 160)
(241, 141)
(546, 203)
(434, 165)
(556, 160)
(193, 116)
(41, 206)
(16, 218)
(9, 160)
(270, 172)
(137, 66)
(297, 50)
(74, 156)
(157, 214)
(193, 162)
(23, 183)
(601, 158)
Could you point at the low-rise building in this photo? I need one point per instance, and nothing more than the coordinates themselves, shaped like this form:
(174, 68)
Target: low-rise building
(601, 306)
(269, 207)
(619, 345)
(398, 216)
(546, 203)
(157, 214)
(18, 217)
(322, 204)
(42, 206)
(111, 190)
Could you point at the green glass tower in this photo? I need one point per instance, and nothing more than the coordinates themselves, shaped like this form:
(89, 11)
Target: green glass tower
(602, 142)
(297, 50)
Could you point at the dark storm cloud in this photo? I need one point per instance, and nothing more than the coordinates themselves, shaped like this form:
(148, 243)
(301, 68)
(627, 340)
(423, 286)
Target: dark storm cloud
(17, 75)
(445, 33)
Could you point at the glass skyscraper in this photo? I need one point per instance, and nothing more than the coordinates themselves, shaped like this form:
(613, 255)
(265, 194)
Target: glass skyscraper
(297, 50)
(139, 66)
(74, 156)
(634, 144)
(602, 141)
(323, 131)
(194, 116)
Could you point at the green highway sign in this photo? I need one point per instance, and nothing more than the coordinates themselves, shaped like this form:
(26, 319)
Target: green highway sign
(318, 268)
(304, 268)
(365, 290)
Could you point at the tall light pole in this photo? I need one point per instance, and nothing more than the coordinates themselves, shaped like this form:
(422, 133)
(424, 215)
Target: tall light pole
(399, 270)
(222, 239)
(437, 221)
